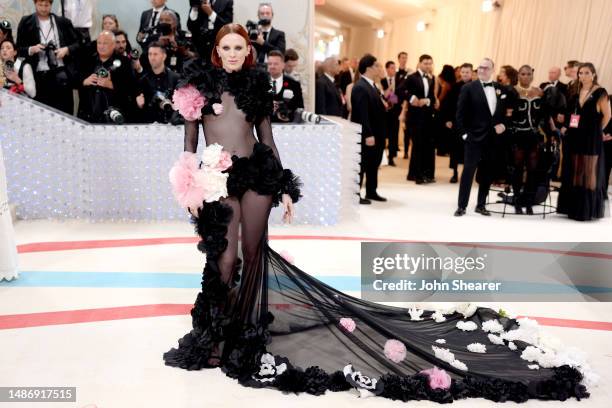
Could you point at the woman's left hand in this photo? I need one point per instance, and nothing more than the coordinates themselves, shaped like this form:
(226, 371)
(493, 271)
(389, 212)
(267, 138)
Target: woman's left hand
(288, 205)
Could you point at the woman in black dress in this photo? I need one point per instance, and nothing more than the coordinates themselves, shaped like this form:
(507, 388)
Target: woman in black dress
(267, 323)
(582, 191)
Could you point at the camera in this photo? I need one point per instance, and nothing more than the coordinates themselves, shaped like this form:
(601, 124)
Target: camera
(9, 65)
(253, 30)
(195, 3)
(302, 116)
(102, 72)
(134, 55)
(161, 100)
(112, 115)
(5, 25)
(50, 49)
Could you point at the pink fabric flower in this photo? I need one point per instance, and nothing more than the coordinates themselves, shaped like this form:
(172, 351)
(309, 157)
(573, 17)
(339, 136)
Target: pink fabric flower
(348, 324)
(225, 161)
(217, 108)
(287, 256)
(188, 101)
(438, 378)
(395, 350)
(187, 191)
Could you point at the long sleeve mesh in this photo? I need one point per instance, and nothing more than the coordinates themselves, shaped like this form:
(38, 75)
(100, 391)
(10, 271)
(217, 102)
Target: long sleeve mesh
(263, 127)
(191, 136)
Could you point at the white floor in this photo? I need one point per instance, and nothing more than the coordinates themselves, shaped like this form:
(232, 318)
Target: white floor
(118, 363)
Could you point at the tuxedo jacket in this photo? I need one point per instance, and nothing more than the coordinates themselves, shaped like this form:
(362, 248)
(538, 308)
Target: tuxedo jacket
(297, 101)
(474, 117)
(145, 19)
(368, 111)
(28, 34)
(275, 41)
(343, 79)
(561, 87)
(413, 86)
(204, 38)
(328, 100)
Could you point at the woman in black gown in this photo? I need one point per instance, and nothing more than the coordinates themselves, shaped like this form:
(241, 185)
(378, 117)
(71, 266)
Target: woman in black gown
(582, 191)
(266, 323)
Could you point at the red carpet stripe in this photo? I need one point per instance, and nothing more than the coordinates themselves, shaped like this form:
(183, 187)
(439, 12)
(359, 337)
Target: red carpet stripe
(118, 243)
(20, 321)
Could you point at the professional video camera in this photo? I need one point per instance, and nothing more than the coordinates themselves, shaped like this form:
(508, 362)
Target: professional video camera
(302, 116)
(113, 115)
(254, 28)
(104, 73)
(162, 101)
(50, 49)
(9, 65)
(134, 55)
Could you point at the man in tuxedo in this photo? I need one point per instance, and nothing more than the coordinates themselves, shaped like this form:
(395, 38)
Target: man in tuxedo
(269, 38)
(287, 91)
(400, 77)
(328, 100)
(554, 74)
(369, 112)
(402, 70)
(205, 21)
(393, 111)
(49, 43)
(480, 118)
(150, 18)
(418, 92)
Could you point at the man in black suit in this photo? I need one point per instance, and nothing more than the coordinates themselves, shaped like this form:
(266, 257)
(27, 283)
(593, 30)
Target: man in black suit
(287, 91)
(369, 112)
(269, 38)
(394, 109)
(150, 18)
(481, 115)
(328, 100)
(400, 76)
(49, 43)
(418, 92)
(205, 22)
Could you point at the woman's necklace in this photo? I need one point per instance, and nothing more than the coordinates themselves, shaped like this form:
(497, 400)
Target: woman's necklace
(524, 91)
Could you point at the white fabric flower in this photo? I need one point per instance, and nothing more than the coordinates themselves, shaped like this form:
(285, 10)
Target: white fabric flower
(214, 182)
(533, 367)
(443, 354)
(438, 316)
(466, 309)
(415, 314)
(466, 326)
(459, 365)
(366, 386)
(492, 326)
(512, 346)
(269, 369)
(211, 155)
(441, 341)
(477, 348)
(495, 339)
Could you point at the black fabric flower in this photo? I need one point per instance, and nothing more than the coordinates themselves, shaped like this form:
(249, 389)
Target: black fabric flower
(364, 384)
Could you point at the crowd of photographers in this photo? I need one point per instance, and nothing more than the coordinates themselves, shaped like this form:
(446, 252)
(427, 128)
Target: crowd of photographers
(116, 82)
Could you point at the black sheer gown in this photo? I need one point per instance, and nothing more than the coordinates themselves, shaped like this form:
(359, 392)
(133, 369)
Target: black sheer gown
(582, 191)
(273, 325)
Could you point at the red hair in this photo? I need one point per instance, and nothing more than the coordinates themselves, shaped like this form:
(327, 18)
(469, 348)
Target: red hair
(232, 28)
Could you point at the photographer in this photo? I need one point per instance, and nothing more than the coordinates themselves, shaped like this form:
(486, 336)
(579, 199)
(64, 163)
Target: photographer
(49, 42)
(178, 46)
(264, 37)
(123, 47)
(287, 91)
(18, 73)
(206, 18)
(156, 88)
(149, 19)
(107, 84)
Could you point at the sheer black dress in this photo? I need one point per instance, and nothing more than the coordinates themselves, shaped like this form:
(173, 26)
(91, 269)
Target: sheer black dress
(582, 191)
(273, 325)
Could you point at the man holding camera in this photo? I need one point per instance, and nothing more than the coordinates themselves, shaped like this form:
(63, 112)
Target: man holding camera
(49, 42)
(149, 19)
(267, 37)
(287, 91)
(107, 84)
(206, 18)
(156, 88)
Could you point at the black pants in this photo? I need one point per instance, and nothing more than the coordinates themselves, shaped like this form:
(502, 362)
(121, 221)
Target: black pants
(54, 93)
(392, 118)
(478, 155)
(608, 163)
(423, 154)
(371, 156)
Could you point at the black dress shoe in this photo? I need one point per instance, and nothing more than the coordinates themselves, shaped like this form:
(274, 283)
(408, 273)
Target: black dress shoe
(391, 163)
(482, 210)
(529, 210)
(460, 211)
(420, 181)
(375, 197)
(364, 201)
(405, 155)
(518, 210)
(454, 179)
(429, 180)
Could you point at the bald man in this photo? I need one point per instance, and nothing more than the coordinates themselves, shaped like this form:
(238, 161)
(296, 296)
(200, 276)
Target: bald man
(554, 74)
(328, 100)
(107, 79)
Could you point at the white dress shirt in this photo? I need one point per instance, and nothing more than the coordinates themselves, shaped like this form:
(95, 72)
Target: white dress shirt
(278, 84)
(425, 87)
(193, 15)
(48, 33)
(491, 97)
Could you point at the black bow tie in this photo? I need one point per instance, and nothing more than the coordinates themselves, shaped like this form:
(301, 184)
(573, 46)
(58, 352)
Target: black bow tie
(485, 84)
